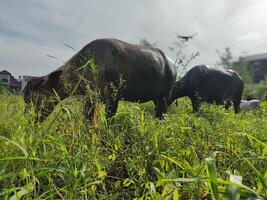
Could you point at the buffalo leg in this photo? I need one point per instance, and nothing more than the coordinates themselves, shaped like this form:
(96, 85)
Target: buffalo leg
(161, 107)
(111, 107)
(196, 104)
(111, 100)
(237, 106)
(228, 104)
(237, 100)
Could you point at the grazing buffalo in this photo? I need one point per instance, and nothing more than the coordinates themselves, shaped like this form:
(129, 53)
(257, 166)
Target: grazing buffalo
(114, 70)
(251, 104)
(205, 84)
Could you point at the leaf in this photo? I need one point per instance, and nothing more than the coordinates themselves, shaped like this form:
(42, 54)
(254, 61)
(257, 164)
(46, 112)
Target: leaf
(158, 172)
(260, 176)
(127, 182)
(233, 193)
(23, 158)
(175, 195)
(173, 161)
(152, 189)
(112, 157)
(182, 180)
(23, 191)
(102, 174)
(16, 144)
(211, 171)
(237, 185)
(167, 190)
(187, 168)
(264, 151)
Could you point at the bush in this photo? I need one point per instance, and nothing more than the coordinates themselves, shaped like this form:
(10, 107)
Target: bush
(256, 91)
(3, 89)
(132, 155)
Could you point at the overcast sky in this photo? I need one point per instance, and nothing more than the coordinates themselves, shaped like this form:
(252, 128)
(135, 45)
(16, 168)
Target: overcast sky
(32, 29)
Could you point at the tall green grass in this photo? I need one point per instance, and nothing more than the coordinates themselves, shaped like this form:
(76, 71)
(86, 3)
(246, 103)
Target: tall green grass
(213, 154)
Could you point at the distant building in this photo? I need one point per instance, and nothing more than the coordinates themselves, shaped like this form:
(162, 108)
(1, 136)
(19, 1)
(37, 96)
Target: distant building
(257, 64)
(9, 81)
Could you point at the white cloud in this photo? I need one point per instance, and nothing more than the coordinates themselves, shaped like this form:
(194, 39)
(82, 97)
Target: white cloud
(26, 58)
(31, 29)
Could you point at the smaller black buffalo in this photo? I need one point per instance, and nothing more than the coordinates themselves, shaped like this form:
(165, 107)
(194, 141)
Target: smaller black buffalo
(112, 68)
(205, 84)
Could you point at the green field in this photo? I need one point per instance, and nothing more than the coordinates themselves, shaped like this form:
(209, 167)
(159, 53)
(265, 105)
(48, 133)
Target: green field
(213, 154)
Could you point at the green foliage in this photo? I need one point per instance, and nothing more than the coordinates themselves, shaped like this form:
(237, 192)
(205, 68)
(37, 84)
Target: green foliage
(251, 90)
(256, 91)
(3, 89)
(144, 42)
(211, 154)
(211, 171)
(227, 61)
(243, 70)
(226, 58)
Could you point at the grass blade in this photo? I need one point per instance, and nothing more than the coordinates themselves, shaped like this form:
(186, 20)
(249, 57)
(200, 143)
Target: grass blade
(211, 171)
(16, 144)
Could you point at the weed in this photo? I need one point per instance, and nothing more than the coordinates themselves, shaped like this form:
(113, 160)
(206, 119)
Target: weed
(211, 154)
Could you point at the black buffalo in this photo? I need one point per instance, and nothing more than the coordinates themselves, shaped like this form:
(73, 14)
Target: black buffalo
(112, 68)
(205, 84)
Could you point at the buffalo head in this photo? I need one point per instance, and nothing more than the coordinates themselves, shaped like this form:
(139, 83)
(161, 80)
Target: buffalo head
(40, 93)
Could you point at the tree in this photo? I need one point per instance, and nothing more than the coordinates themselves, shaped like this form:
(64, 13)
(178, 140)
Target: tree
(226, 58)
(182, 58)
(146, 43)
(251, 90)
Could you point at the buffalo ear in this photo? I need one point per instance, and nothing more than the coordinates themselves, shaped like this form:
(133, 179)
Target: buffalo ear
(53, 78)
